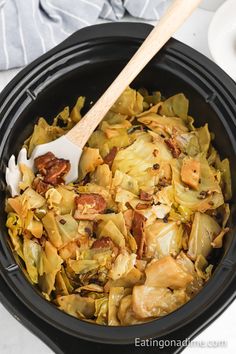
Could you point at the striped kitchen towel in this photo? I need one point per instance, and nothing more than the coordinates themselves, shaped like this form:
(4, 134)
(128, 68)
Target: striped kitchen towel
(28, 28)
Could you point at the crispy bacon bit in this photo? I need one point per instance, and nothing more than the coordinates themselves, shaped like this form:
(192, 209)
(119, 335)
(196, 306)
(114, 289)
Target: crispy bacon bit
(109, 158)
(40, 186)
(145, 196)
(89, 204)
(42, 161)
(52, 168)
(141, 206)
(103, 242)
(138, 232)
(128, 216)
(172, 145)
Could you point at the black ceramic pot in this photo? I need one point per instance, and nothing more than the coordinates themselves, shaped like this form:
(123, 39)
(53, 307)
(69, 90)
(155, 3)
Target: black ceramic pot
(85, 64)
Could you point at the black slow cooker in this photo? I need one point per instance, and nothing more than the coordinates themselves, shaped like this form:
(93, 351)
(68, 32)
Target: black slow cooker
(85, 64)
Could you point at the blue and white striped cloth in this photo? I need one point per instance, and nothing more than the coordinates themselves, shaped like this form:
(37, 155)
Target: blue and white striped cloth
(28, 28)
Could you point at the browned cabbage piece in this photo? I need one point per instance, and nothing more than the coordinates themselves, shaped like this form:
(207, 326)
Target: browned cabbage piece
(167, 273)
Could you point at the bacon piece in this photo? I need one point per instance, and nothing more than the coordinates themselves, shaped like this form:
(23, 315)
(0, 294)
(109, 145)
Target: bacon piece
(51, 168)
(103, 242)
(128, 216)
(40, 186)
(42, 161)
(56, 172)
(138, 232)
(141, 206)
(172, 145)
(109, 158)
(89, 204)
(145, 196)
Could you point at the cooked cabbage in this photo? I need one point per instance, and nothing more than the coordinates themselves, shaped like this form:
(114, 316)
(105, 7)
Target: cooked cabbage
(115, 295)
(207, 196)
(32, 252)
(76, 305)
(163, 239)
(204, 230)
(149, 302)
(131, 239)
(175, 106)
(167, 273)
(50, 264)
(90, 159)
(130, 103)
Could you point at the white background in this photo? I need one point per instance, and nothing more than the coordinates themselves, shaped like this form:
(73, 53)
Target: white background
(15, 339)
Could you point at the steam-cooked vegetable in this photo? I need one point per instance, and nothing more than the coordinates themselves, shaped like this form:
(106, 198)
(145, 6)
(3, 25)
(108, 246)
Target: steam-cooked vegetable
(76, 111)
(50, 264)
(190, 172)
(207, 196)
(122, 265)
(167, 273)
(76, 305)
(151, 302)
(115, 295)
(130, 240)
(32, 252)
(175, 106)
(130, 103)
(90, 159)
(43, 133)
(204, 230)
(163, 239)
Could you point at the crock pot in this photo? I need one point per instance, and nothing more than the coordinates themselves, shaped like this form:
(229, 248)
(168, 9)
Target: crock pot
(85, 64)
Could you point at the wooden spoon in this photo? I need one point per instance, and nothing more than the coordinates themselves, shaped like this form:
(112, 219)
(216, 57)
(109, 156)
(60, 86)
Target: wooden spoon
(71, 144)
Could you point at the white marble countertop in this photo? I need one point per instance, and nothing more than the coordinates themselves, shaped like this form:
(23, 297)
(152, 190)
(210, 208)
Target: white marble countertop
(15, 339)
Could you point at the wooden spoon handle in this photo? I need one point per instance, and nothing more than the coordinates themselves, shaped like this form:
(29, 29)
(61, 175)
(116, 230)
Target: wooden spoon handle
(174, 17)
